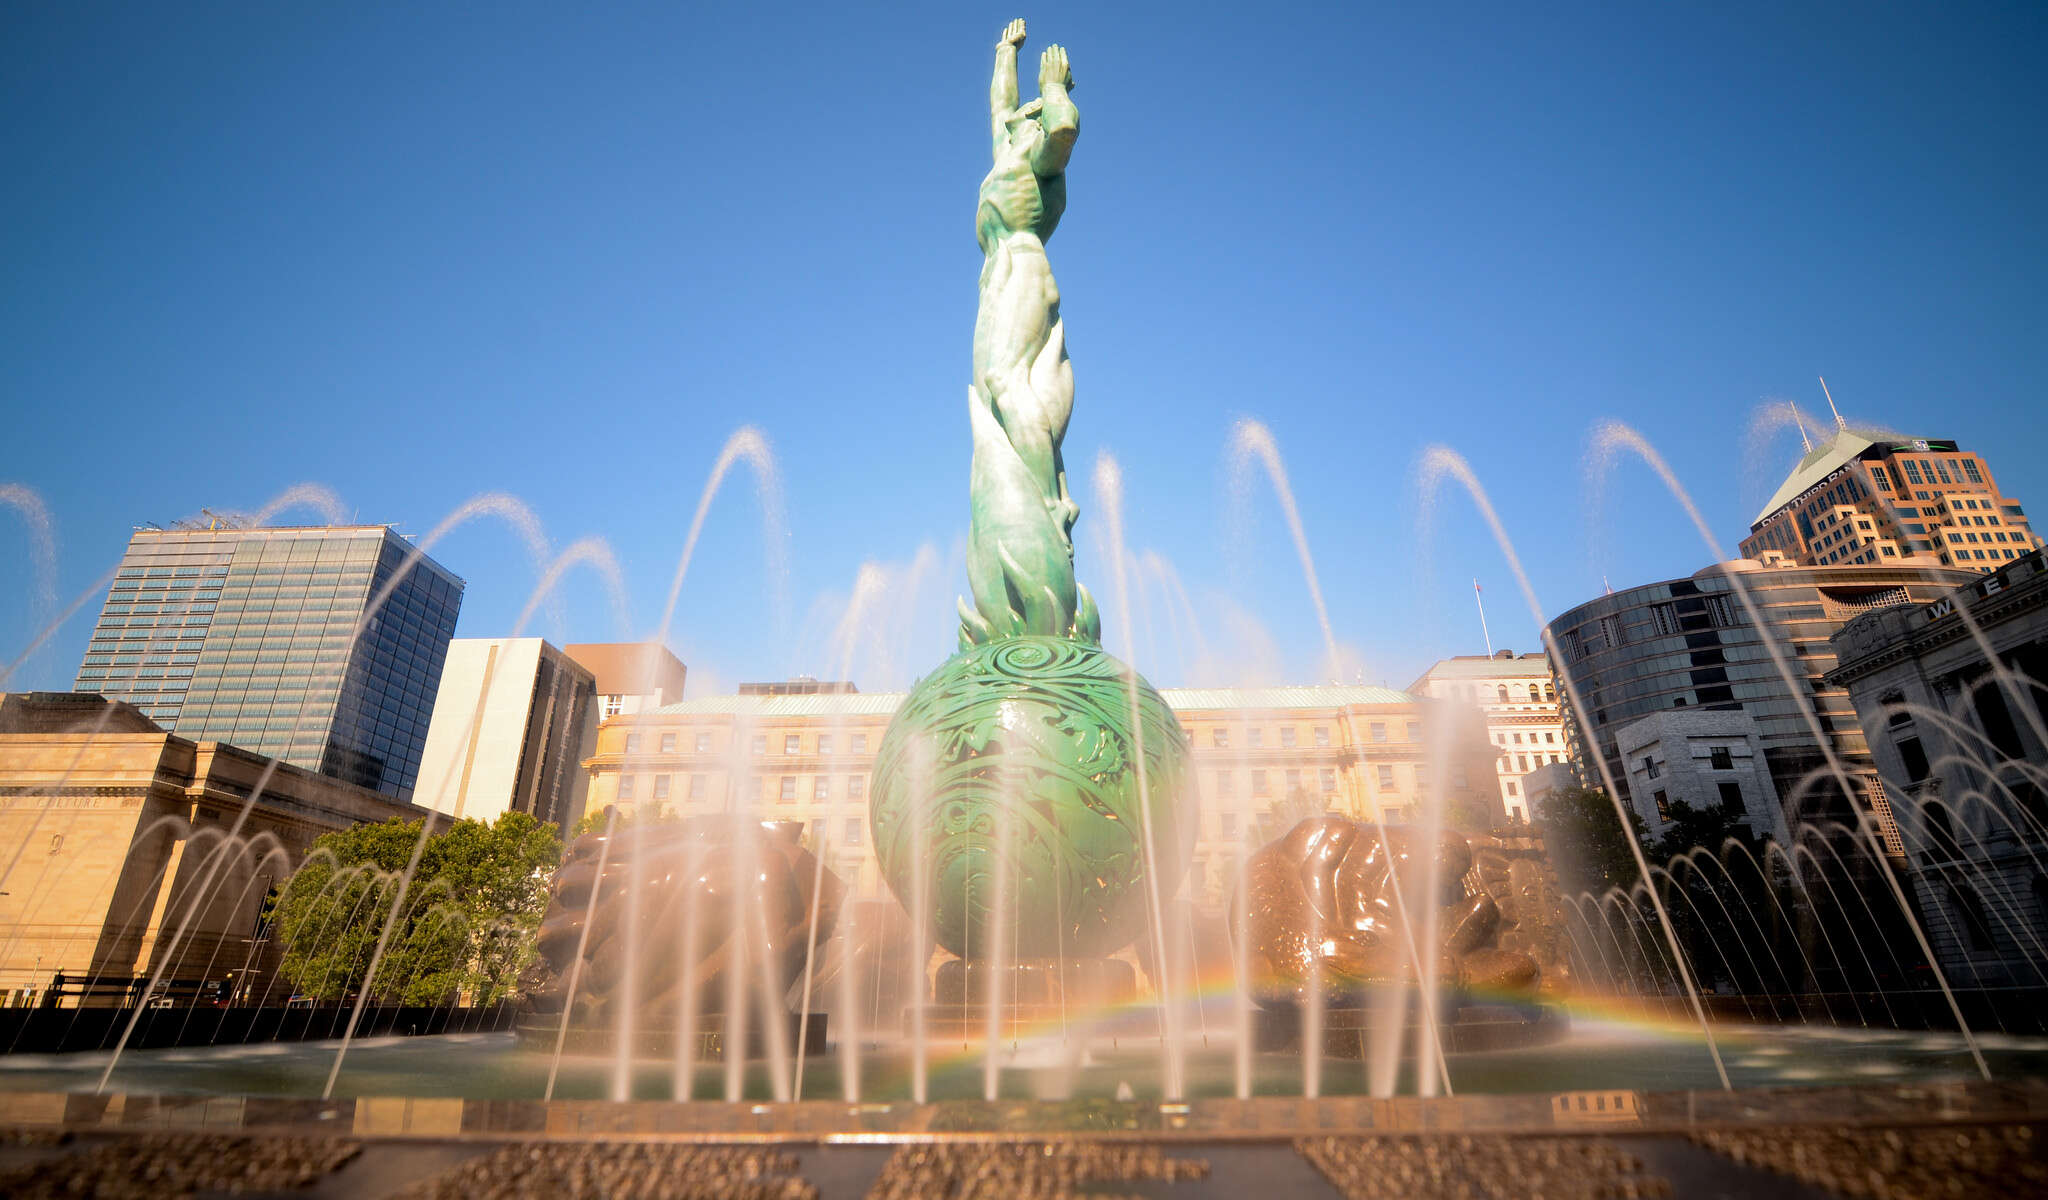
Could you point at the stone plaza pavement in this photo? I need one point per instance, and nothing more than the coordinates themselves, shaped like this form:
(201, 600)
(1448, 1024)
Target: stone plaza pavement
(1946, 1140)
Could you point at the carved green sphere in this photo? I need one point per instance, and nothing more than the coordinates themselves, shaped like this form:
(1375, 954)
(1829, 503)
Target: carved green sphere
(1029, 743)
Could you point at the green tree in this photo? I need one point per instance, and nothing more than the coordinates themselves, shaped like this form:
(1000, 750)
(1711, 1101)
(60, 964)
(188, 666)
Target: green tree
(1587, 842)
(1708, 827)
(466, 924)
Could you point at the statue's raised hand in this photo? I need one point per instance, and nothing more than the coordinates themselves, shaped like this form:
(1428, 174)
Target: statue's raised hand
(1053, 70)
(1013, 33)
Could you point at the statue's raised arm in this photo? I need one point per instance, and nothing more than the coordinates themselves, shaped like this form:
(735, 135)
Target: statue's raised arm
(1020, 548)
(1002, 90)
(1058, 116)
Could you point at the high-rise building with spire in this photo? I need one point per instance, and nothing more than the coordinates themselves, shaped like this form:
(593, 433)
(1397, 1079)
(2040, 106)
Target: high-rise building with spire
(1873, 498)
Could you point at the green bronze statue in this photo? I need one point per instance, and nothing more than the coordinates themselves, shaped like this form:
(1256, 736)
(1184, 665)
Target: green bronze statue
(1032, 761)
(1020, 546)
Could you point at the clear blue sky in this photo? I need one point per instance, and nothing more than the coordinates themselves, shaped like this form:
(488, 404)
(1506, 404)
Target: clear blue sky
(564, 251)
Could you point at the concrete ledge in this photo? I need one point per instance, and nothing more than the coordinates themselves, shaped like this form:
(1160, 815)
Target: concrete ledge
(821, 1121)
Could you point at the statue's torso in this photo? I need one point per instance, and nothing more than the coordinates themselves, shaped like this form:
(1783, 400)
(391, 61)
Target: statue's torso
(1013, 198)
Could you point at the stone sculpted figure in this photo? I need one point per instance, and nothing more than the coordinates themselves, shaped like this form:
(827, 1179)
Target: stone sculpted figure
(1020, 550)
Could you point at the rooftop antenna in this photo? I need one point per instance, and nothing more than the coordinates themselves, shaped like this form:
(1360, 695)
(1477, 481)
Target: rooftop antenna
(1478, 597)
(1839, 422)
(1801, 423)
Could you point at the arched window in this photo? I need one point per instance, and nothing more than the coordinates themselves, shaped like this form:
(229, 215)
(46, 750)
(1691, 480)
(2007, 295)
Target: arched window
(1549, 694)
(1503, 693)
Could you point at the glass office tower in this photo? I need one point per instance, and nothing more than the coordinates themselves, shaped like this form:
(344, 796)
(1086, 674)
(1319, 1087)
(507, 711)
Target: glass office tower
(264, 638)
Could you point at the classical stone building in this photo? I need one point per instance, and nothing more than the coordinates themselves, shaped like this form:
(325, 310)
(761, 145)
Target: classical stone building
(513, 721)
(1864, 496)
(1519, 699)
(1952, 696)
(116, 834)
(1260, 756)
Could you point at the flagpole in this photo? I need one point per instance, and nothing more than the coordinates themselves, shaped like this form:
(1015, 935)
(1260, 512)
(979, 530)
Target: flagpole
(1481, 601)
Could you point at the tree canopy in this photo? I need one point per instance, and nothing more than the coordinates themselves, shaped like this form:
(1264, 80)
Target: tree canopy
(466, 923)
(1587, 842)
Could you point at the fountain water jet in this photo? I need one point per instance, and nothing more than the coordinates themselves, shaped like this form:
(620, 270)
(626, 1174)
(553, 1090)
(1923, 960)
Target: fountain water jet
(1439, 461)
(1611, 436)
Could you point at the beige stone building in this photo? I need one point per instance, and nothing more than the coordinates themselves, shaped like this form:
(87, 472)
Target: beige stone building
(1517, 696)
(1362, 751)
(115, 833)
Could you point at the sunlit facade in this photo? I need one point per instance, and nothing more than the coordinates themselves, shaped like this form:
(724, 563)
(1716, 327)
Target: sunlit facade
(1259, 754)
(1518, 698)
(1873, 498)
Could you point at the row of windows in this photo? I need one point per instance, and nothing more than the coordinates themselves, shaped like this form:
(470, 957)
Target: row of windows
(1290, 736)
(1261, 781)
(789, 788)
(1549, 738)
(792, 744)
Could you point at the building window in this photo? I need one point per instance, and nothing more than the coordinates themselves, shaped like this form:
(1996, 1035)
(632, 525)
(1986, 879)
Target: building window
(1328, 778)
(860, 743)
(703, 743)
(632, 743)
(1293, 782)
(824, 745)
(818, 828)
(1287, 736)
(788, 794)
(821, 788)
(1720, 759)
(1663, 805)
(1322, 735)
(696, 787)
(1721, 611)
(1731, 796)
(1914, 758)
(1414, 731)
(792, 744)
(612, 704)
(1550, 738)
(661, 787)
(1229, 825)
(1503, 693)
(1651, 768)
(668, 743)
(1386, 775)
(1970, 469)
(1522, 761)
(1255, 737)
(1975, 919)
(1225, 785)
(854, 830)
(1511, 787)
(1518, 739)
(1258, 783)
(758, 744)
(856, 786)
(1379, 731)
(625, 787)
(1219, 737)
